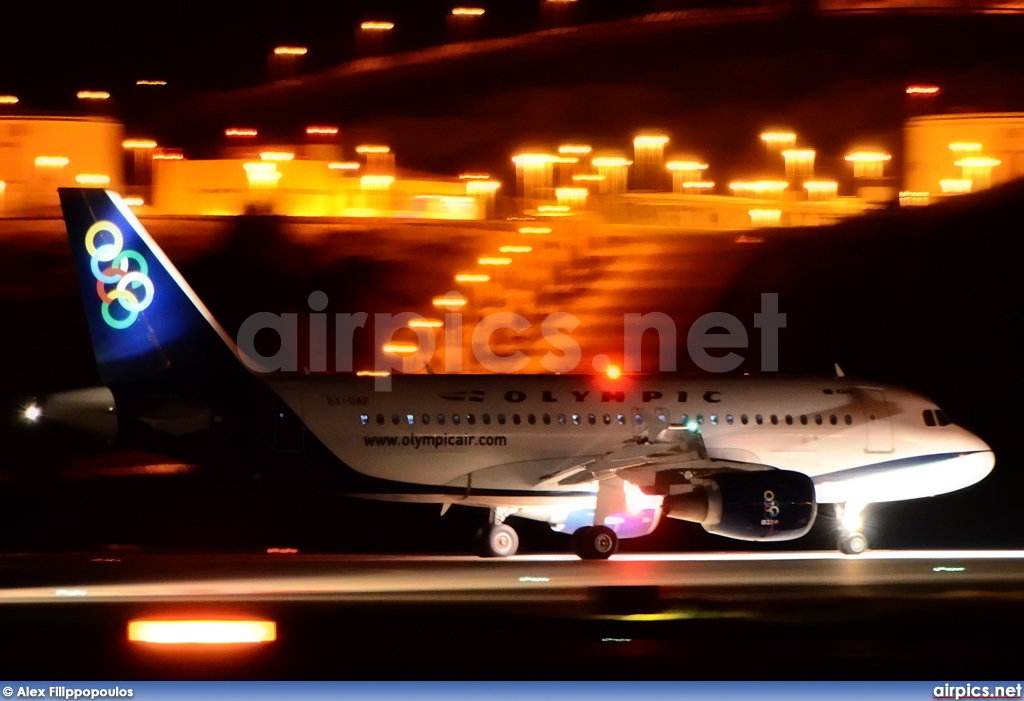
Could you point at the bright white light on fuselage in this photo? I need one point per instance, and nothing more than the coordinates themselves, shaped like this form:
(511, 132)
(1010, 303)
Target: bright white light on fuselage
(32, 413)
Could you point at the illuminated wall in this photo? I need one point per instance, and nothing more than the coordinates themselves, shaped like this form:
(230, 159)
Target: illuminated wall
(930, 160)
(301, 188)
(39, 154)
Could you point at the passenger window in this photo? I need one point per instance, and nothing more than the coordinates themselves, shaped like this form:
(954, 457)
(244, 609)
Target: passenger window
(561, 419)
(929, 418)
(426, 418)
(833, 420)
(575, 419)
(803, 419)
(638, 419)
(410, 419)
(700, 419)
(849, 420)
(380, 419)
(714, 419)
(775, 420)
(943, 419)
(759, 419)
(789, 420)
(501, 419)
(440, 419)
(547, 419)
(728, 419)
(364, 419)
(591, 419)
(456, 419)
(471, 419)
(515, 419)
(531, 419)
(607, 419)
(817, 419)
(395, 419)
(621, 419)
(486, 418)
(684, 419)
(744, 420)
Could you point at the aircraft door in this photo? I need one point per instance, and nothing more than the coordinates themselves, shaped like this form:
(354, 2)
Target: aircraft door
(878, 435)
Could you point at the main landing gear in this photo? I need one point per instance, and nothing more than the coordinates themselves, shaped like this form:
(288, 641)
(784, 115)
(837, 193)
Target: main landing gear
(497, 539)
(851, 540)
(595, 542)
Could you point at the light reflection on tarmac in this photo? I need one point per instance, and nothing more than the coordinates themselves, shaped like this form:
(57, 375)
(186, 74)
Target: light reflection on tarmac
(169, 578)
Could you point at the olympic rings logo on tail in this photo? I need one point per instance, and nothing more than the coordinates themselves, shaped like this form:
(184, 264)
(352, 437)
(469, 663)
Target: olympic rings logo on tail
(116, 271)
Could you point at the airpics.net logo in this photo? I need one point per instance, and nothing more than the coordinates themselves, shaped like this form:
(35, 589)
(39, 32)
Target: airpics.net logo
(711, 341)
(111, 265)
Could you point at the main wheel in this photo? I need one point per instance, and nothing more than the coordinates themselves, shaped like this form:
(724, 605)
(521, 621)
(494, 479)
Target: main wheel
(853, 543)
(595, 542)
(497, 540)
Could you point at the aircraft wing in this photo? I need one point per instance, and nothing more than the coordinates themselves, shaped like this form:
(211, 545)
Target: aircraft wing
(675, 447)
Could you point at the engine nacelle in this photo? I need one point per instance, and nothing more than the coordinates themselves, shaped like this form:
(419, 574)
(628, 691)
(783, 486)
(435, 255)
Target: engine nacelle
(91, 410)
(762, 505)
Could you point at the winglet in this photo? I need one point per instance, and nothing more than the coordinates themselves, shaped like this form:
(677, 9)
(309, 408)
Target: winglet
(839, 371)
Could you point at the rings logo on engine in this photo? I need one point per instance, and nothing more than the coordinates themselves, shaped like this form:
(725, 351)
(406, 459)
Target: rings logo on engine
(116, 280)
(771, 509)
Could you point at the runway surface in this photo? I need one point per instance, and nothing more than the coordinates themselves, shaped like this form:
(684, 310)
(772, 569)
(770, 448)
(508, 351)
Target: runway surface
(297, 577)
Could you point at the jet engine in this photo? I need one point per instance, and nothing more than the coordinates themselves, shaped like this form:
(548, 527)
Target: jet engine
(762, 505)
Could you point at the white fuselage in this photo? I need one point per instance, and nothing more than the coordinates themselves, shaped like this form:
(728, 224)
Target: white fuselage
(498, 437)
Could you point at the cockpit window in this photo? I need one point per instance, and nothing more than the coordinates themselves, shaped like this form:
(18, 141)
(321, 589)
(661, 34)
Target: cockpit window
(929, 418)
(943, 419)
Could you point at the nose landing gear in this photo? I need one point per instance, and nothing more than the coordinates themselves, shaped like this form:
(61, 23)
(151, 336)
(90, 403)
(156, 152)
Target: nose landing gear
(851, 540)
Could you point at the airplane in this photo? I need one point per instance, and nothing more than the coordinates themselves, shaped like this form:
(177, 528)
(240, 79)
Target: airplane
(596, 458)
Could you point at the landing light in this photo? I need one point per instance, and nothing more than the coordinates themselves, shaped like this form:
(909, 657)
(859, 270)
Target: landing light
(32, 413)
(202, 631)
(613, 372)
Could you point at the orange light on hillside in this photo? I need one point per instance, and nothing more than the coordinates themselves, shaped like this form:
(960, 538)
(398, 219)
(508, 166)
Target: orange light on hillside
(474, 176)
(202, 631)
(922, 89)
(372, 373)
(8, 100)
(343, 165)
(610, 162)
(515, 249)
(133, 201)
(399, 348)
(482, 187)
(151, 82)
(426, 324)
(372, 148)
(535, 230)
(467, 11)
(290, 51)
(377, 26)
(92, 179)
(697, 185)
(578, 149)
(243, 132)
(138, 143)
(449, 302)
(321, 131)
(588, 178)
(491, 260)
(277, 156)
(52, 161)
(533, 159)
(964, 146)
(471, 277)
(92, 95)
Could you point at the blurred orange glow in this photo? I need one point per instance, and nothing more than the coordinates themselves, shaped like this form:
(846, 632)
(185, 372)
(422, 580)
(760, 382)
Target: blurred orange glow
(52, 161)
(474, 176)
(868, 157)
(3, 187)
(277, 156)
(758, 187)
(239, 131)
(372, 148)
(478, 187)
(956, 185)
(290, 51)
(515, 249)
(372, 373)
(486, 260)
(151, 82)
(922, 89)
(961, 146)
(399, 348)
(686, 165)
(534, 230)
(472, 277)
(377, 26)
(259, 167)
(169, 156)
(778, 137)
(449, 302)
(977, 162)
(533, 159)
(613, 372)
(93, 95)
(610, 162)
(574, 148)
(8, 100)
(282, 551)
(571, 192)
(699, 185)
(376, 182)
(650, 140)
(343, 165)
(329, 131)
(553, 209)
(133, 201)
(92, 179)
(138, 143)
(588, 178)
(911, 198)
(568, 160)
(765, 217)
(467, 11)
(799, 153)
(426, 324)
(202, 631)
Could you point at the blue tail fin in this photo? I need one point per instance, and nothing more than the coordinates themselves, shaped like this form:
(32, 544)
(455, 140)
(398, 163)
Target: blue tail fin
(146, 323)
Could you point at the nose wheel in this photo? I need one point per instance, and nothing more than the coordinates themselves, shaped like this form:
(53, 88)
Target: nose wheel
(851, 540)
(595, 542)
